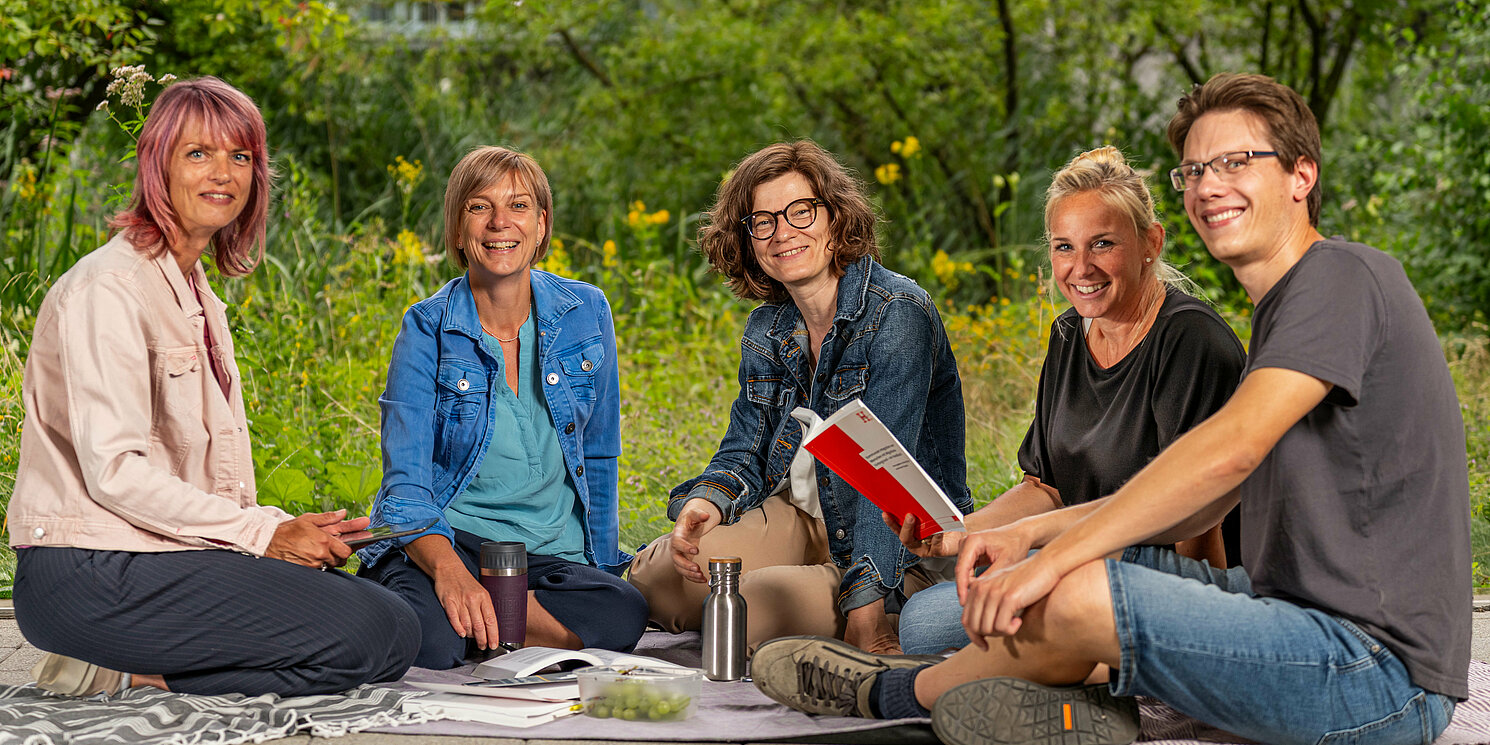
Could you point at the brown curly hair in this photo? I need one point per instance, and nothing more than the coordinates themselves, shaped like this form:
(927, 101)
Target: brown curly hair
(851, 219)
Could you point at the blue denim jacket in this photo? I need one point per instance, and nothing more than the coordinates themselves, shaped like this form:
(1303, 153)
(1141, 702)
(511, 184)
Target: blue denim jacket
(888, 347)
(437, 414)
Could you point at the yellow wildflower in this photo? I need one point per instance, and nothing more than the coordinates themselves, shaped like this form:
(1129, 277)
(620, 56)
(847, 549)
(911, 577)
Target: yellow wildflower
(911, 147)
(895, 147)
(660, 217)
(888, 173)
(406, 175)
(998, 181)
(408, 248)
(557, 260)
(608, 255)
(556, 244)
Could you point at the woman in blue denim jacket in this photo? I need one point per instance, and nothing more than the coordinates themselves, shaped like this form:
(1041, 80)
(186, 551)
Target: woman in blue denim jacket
(501, 420)
(792, 228)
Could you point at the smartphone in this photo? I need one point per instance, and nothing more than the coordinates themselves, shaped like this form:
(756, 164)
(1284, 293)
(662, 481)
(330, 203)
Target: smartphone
(385, 532)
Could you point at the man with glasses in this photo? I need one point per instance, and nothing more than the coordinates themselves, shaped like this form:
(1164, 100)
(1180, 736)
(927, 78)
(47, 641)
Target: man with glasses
(1350, 620)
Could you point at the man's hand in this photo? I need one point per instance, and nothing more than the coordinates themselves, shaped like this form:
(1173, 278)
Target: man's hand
(941, 544)
(996, 549)
(699, 516)
(311, 540)
(993, 601)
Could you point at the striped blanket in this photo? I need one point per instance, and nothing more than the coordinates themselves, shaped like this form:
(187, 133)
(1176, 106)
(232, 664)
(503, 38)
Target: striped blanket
(148, 716)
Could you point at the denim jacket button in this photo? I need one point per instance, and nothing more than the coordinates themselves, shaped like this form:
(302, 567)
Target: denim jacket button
(587, 366)
(463, 384)
(579, 470)
(569, 428)
(839, 534)
(553, 378)
(823, 482)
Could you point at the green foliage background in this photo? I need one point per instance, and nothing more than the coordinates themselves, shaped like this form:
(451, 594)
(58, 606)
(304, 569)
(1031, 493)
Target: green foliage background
(955, 112)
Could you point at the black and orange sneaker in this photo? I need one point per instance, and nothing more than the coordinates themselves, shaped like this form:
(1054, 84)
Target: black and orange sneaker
(1011, 710)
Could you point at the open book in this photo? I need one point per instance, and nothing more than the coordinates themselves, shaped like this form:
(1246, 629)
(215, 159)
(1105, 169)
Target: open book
(857, 446)
(529, 660)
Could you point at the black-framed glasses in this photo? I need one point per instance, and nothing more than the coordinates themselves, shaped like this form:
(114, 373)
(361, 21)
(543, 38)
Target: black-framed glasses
(1225, 165)
(800, 214)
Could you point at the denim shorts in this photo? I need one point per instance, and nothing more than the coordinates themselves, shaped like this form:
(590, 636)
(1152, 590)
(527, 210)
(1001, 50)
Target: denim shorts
(1196, 638)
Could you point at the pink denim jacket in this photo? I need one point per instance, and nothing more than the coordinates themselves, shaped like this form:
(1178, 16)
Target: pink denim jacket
(129, 443)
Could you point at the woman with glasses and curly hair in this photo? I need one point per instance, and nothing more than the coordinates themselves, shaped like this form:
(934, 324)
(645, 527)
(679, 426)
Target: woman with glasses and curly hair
(794, 230)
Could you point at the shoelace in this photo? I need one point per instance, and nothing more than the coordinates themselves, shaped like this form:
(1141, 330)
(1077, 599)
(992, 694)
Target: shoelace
(821, 680)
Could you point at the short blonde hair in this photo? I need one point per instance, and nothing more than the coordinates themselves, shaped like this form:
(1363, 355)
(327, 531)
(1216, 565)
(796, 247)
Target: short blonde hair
(481, 169)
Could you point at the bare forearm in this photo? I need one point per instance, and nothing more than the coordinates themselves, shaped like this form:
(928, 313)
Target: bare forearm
(1179, 494)
(1025, 499)
(432, 553)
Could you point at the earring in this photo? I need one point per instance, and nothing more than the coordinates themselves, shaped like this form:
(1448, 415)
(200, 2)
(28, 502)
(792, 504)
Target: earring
(1148, 259)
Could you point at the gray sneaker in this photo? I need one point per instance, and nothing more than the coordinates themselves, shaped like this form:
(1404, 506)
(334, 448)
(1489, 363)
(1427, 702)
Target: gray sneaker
(819, 675)
(1010, 710)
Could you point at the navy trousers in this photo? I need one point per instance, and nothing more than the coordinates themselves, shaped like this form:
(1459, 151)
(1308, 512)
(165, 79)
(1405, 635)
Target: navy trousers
(214, 622)
(603, 610)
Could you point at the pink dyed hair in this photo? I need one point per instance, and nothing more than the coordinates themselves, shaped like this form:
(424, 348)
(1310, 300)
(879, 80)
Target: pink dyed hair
(151, 223)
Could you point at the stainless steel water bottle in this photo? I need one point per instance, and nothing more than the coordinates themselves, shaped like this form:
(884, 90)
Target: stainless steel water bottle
(724, 621)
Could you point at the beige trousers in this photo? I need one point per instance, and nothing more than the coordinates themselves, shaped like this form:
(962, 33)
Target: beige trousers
(789, 584)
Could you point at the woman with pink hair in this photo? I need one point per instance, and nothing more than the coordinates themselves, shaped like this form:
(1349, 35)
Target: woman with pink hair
(138, 538)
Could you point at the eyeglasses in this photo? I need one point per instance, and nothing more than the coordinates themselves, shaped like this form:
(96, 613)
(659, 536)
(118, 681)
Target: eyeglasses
(1225, 166)
(799, 214)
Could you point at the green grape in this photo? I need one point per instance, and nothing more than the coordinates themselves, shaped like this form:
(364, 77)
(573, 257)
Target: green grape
(599, 710)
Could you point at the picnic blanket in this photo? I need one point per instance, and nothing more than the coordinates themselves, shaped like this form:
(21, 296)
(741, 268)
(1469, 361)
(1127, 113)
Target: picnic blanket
(737, 712)
(728, 712)
(149, 716)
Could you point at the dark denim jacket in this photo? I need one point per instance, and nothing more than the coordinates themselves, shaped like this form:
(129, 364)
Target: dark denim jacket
(888, 347)
(437, 415)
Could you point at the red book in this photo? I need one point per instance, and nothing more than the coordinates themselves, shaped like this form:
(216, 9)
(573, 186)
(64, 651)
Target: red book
(858, 447)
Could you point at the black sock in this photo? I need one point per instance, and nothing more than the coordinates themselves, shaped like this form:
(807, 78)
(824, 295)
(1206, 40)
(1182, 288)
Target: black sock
(893, 695)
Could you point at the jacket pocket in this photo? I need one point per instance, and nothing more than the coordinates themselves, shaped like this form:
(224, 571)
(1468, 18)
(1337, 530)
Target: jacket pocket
(580, 363)
(770, 392)
(460, 397)
(848, 383)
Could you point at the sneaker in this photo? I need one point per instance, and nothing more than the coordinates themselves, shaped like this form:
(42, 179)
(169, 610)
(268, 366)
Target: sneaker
(1011, 710)
(73, 677)
(819, 675)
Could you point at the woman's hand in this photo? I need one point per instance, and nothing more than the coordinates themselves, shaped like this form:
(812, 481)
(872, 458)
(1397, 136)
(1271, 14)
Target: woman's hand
(993, 601)
(312, 540)
(941, 544)
(996, 548)
(698, 517)
(869, 629)
(467, 604)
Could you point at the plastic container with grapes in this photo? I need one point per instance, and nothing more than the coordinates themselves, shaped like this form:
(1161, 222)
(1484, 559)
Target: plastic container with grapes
(639, 694)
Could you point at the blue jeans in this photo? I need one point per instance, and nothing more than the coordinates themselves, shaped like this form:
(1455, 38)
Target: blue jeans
(1197, 639)
(931, 621)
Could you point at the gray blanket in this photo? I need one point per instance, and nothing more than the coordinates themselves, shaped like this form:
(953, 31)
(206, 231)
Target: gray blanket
(737, 712)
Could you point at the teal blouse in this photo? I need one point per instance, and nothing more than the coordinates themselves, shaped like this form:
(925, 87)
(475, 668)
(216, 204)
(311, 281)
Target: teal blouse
(522, 490)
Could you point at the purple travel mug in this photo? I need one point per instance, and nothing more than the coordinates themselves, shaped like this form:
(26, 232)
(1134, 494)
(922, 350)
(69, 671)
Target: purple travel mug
(504, 574)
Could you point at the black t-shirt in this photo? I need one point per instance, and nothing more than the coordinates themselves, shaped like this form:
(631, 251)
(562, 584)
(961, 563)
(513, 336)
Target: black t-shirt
(1094, 428)
(1362, 508)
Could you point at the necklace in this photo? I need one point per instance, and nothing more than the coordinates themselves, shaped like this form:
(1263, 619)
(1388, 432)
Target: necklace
(514, 336)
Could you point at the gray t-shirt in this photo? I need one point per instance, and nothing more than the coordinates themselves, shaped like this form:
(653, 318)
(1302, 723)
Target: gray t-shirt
(1362, 509)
